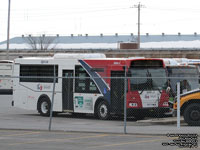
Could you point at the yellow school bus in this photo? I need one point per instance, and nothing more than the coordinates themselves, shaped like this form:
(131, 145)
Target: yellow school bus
(190, 107)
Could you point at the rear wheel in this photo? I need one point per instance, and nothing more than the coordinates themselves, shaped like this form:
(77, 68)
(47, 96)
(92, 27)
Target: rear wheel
(44, 106)
(192, 114)
(103, 111)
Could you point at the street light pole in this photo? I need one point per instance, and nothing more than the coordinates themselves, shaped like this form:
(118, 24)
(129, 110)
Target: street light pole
(8, 30)
(138, 7)
(139, 26)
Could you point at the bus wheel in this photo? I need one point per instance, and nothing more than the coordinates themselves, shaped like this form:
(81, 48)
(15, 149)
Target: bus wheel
(103, 111)
(192, 114)
(44, 106)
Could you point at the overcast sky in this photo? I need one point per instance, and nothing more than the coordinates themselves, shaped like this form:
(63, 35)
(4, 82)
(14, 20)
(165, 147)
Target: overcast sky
(93, 17)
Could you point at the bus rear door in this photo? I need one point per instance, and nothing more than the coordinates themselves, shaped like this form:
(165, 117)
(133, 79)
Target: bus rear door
(67, 90)
(117, 91)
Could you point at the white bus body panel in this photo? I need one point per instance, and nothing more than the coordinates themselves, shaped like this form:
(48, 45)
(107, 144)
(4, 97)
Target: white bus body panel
(85, 103)
(26, 94)
(150, 98)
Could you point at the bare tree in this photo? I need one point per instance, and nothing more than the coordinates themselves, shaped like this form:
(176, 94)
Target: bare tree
(40, 42)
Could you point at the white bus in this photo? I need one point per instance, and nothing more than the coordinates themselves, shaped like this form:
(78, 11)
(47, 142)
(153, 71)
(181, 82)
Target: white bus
(84, 85)
(6, 68)
(33, 93)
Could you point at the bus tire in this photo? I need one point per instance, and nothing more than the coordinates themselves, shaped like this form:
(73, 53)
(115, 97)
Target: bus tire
(103, 111)
(44, 106)
(192, 114)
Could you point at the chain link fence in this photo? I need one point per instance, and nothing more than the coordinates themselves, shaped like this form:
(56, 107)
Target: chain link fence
(127, 101)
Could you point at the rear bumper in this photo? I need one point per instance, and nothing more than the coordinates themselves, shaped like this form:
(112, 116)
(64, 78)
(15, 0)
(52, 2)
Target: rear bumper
(147, 111)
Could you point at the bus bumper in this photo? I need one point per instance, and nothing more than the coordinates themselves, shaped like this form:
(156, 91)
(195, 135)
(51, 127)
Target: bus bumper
(148, 112)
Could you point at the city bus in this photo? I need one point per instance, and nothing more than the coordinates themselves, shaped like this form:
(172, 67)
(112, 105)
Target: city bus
(195, 62)
(6, 68)
(183, 70)
(91, 85)
(187, 75)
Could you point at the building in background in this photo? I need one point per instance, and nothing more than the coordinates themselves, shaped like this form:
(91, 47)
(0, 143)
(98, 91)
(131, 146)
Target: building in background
(101, 41)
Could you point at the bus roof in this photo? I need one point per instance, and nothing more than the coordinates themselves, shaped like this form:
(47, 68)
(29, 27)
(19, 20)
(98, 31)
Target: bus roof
(78, 55)
(85, 57)
(6, 61)
(182, 66)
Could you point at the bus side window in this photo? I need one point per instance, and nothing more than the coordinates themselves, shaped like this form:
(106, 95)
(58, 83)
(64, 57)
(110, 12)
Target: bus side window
(83, 83)
(80, 80)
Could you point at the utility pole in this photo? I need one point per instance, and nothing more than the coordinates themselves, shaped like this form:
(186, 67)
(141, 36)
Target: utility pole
(8, 30)
(138, 7)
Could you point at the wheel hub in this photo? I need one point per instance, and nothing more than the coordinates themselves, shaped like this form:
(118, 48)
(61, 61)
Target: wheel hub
(195, 115)
(44, 107)
(103, 110)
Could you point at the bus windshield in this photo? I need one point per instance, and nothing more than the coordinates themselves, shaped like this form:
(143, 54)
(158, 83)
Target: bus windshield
(148, 79)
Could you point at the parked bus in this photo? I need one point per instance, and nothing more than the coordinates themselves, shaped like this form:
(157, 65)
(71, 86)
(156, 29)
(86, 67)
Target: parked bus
(187, 75)
(91, 85)
(6, 68)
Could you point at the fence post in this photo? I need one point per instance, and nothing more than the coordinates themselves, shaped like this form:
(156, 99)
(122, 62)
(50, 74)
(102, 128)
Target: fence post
(125, 113)
(52, 102)
(178, 105)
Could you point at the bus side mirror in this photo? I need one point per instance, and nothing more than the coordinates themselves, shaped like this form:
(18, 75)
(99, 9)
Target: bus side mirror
(168, 89)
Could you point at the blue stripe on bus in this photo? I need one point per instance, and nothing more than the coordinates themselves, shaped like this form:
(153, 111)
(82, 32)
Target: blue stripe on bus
(103, 87)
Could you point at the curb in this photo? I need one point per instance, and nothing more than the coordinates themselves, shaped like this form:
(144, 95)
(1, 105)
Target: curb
(162, 121)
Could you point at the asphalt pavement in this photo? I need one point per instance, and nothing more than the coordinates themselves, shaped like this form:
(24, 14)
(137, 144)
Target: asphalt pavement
(15, 118)
(57, 140)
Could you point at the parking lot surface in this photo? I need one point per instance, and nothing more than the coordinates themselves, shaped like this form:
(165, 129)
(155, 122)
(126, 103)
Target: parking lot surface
(44, 140)
(15, 118)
